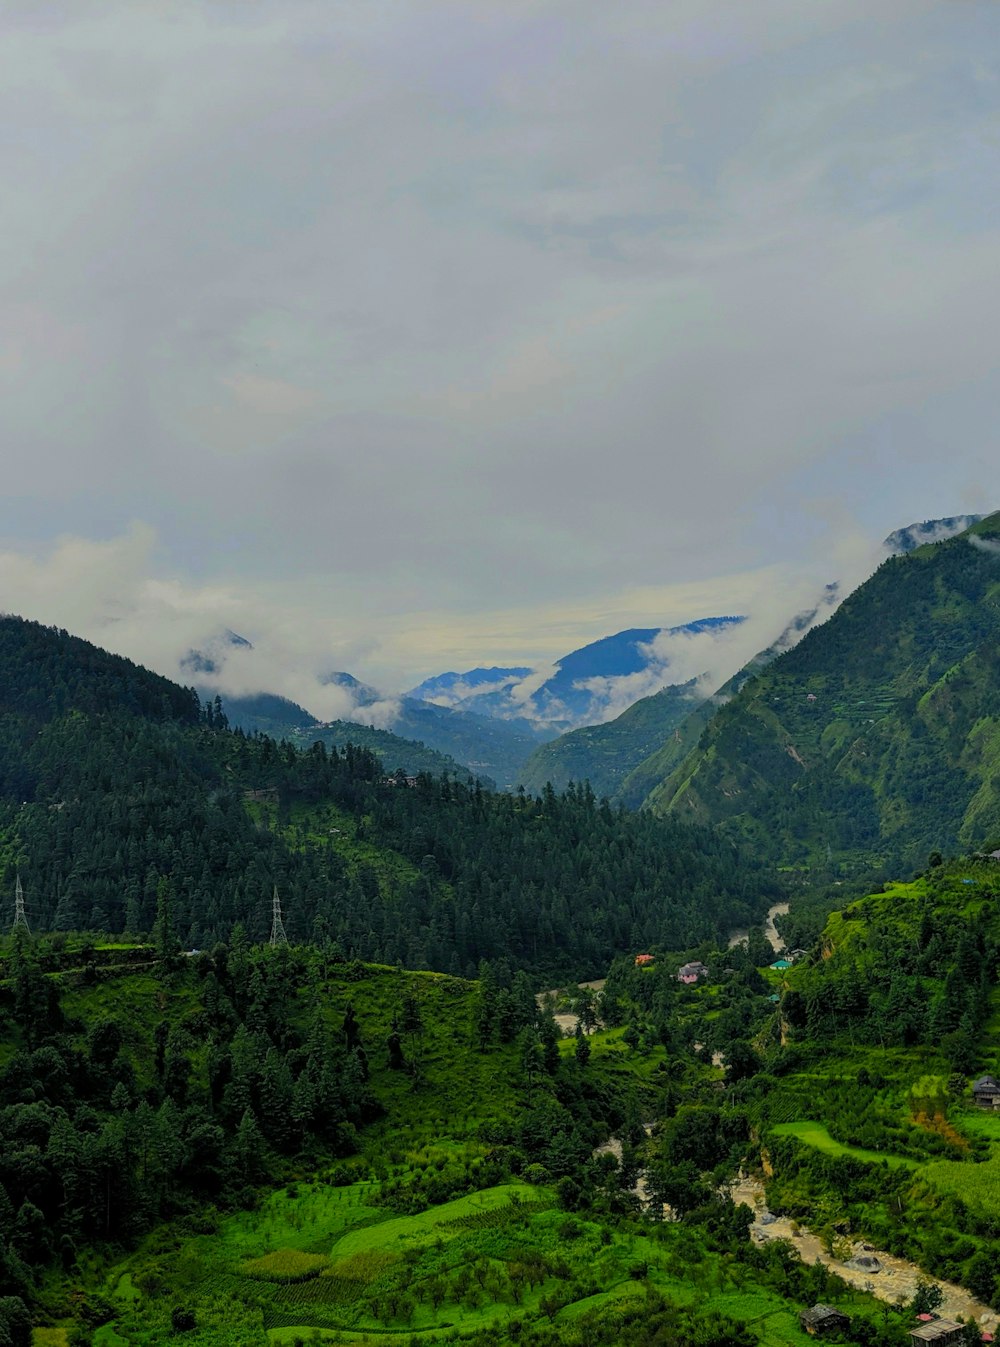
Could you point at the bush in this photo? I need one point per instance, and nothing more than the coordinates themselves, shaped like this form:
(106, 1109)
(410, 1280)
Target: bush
(182, 1320)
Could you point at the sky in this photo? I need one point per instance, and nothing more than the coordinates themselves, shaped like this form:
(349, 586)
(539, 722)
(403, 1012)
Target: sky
(402, 337)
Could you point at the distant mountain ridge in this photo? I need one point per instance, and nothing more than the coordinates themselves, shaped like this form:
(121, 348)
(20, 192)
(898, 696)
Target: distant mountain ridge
(488, 720)
(627, 757)
(582, 687)
(448, 689)
(607, 711)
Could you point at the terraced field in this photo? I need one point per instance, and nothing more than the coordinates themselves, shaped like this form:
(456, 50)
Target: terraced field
(321, 1263)
(815, 1134)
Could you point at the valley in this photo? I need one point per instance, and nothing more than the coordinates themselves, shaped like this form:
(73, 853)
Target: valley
(377, 1125)
(499, 808)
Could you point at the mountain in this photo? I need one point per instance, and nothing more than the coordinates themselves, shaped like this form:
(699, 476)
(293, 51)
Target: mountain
(877, 737)
(211, 656)
(455, 689)
(929, 531)
(490, 719)
(363, 693)
(395, 753)
(584, 687)
(605, 755)
(413, 734)
(496, 747)
(584, 684)
(456, 740)
(264, 712)
(627, 757)
(124, 804)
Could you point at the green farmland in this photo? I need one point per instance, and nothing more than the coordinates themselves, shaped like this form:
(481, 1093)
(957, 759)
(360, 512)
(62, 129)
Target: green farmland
(815, 1134)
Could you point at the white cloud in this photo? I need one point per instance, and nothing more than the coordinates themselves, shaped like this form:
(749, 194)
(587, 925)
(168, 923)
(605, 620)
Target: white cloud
(117, 594)
(423, 334)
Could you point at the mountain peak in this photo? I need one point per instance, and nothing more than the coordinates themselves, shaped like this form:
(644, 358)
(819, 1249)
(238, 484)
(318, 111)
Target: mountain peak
(911, 537)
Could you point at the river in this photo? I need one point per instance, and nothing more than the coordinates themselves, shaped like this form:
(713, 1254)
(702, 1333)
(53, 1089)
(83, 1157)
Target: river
(740, 936)
(897, 1279)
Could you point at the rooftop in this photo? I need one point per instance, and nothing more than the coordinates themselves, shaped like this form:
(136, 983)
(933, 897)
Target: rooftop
(940, 1329)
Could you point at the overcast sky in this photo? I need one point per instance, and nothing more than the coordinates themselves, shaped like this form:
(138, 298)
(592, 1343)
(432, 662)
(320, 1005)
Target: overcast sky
(410, 336)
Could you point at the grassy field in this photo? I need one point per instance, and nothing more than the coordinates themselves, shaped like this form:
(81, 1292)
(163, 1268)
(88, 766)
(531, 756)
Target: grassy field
(815, 1134)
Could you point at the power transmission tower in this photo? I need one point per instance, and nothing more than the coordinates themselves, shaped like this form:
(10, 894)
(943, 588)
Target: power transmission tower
(20, 920)
(278, 936)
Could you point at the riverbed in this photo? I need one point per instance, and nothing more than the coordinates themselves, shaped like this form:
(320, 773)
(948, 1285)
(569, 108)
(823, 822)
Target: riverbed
(567, 1021)
(741, 936)
(897, 1280)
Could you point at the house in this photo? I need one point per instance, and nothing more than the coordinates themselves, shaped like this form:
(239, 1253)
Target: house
(691, 972)
(781, 964)
(986, 1092)
(643, 960)
(824, 1319)
(796, 954)
(940, 1331)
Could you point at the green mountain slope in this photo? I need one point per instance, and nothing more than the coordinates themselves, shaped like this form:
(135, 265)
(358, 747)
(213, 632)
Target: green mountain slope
(627, 758)
(394, 752)
(878, 736)
(260, 1146)
(605, 754)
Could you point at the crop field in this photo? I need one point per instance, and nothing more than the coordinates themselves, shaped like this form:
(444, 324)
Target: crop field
(285, 1265)
(977, 1184)
(308, 1217)
(437, 1223)
(981, 1124)
(326, 1264)
(815, 1134)
(975, 1181)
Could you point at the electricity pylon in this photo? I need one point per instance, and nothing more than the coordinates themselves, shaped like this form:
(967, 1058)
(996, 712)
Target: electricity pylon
(278, 936)
(20, 920)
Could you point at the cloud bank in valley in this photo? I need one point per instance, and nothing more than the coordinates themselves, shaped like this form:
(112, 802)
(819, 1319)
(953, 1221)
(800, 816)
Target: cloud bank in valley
(113, 593)
(418, 338)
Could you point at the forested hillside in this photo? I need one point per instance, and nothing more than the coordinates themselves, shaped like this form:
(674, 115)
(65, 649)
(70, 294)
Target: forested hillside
(396, 754)
(118, 794)
(875, 739)
(606, 754)
(629, 757)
